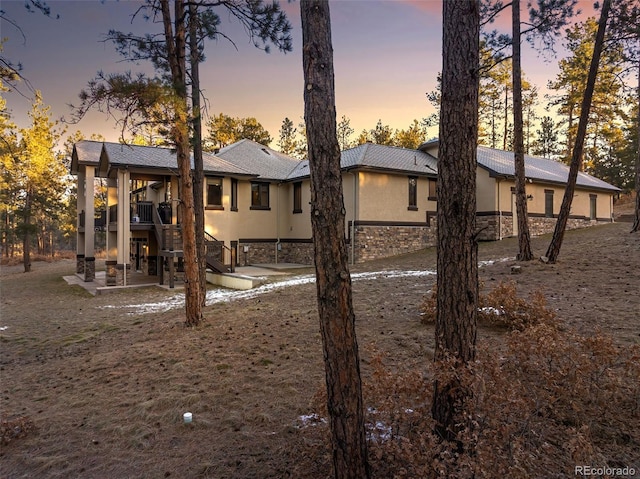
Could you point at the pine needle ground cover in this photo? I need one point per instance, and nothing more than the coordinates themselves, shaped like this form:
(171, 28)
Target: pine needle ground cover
(96, 386)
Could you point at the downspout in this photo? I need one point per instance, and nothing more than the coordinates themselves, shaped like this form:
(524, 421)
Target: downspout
(499, 211)
(353, 222)
(278, 221)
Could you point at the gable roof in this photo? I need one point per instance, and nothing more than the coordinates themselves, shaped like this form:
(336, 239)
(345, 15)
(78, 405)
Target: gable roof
(86, 152)
(380, 157)
(105, 156)
(262, 161)
(501, 163)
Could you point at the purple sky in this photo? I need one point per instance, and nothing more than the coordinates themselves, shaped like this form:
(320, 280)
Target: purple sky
(386, 55)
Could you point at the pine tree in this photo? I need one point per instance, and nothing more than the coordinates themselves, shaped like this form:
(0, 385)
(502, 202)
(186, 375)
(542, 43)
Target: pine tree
(288, 142)
(333, 281)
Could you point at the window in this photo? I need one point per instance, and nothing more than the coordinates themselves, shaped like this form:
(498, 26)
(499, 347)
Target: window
(234, 194)
(413, 193)
(259, 196)
(548, 203)
(297, 197)
(433, 195)
(593, 210)
(214, 193)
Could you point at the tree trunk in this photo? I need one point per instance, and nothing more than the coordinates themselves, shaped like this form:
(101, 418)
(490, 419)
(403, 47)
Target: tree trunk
(576, 158)
(176, 48)
(198, 162)
(26, 239)
(524, 238)
(636, 222)
(333, 281)
(457, 265)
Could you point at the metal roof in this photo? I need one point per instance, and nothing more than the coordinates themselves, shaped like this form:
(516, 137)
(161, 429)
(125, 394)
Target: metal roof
(382, 157)
(108, 155)
(501, 163)
(260, 160)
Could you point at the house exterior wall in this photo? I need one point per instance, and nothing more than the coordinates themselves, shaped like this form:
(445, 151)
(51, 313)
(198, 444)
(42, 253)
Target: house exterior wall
(497, 223)
(384, 224)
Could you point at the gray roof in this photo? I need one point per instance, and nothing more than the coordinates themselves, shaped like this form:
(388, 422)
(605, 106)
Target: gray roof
(108, 155)
(262, 161)
(380, 157)
(501, 163)
(85, 152)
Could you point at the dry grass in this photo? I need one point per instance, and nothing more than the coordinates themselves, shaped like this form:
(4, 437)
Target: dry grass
(105, 390)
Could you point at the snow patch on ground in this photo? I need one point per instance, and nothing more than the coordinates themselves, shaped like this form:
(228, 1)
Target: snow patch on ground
(223, 295)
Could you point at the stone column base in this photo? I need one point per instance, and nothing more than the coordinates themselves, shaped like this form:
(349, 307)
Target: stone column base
(80, 264)
(111, 273)
(89, 268)
(120, 273)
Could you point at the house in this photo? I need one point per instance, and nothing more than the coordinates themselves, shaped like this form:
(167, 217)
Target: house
(256, 204)
(545, 185)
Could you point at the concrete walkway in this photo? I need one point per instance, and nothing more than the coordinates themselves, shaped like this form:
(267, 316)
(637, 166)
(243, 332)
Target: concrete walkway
(137, 280)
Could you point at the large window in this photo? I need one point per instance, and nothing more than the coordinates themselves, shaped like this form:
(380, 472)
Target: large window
(234, 194)
(259, 196)
(413, 193)
(214, 193)
(548, 203)
(593, 207)
(297, 197)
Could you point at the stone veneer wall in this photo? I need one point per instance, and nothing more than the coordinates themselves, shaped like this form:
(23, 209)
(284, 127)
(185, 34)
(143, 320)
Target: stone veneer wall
(538, 225)
(300, 252)
(291, 251)
(373, 241)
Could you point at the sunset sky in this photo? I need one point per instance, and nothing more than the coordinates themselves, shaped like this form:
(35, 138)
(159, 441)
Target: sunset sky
(386, 55)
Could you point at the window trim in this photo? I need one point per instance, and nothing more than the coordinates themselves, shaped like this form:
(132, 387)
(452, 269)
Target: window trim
(209, 181)
(234, 194)
(548, 206)
(593, 207)
(413, 193)
(260, 185)
(434, 196)
(297, 197)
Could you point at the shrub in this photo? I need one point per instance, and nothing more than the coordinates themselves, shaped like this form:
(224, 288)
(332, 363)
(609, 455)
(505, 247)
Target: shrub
(500, 308)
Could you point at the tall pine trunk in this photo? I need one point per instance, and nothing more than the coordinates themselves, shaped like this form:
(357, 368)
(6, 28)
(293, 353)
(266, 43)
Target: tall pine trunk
(576, 158)
(636, 222)
(333, 281)
(198, 162)
(457, 263)
(26, 239)
(176, 52)
(524, 238)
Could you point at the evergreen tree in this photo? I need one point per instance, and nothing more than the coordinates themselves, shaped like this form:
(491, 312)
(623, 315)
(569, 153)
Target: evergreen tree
(288, 142)
(36, 176)
(412, 137)
(344, 133)
(333, 281)
(457, 278)
(546, 144)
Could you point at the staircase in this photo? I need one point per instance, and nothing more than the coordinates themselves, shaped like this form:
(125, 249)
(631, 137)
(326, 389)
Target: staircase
(169, 238)
(215, 251)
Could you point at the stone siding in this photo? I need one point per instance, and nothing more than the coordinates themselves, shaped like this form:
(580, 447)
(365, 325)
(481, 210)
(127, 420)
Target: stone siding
(300, 252)
(538, 225)
(89, 269)
(373, 242)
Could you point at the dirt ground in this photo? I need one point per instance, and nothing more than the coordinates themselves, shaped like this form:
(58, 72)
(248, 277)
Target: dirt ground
(105, 380)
